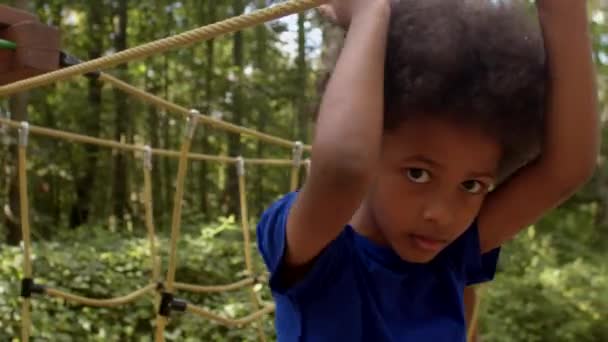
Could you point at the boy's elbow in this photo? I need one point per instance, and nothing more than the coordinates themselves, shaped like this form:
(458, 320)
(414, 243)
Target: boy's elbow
(572, 175)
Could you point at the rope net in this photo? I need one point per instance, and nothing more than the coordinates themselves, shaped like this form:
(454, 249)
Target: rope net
(162, 289)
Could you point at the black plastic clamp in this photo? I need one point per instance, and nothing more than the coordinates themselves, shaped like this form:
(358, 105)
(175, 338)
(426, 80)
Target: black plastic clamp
(28, 287)
(168, 304)
(67, 60)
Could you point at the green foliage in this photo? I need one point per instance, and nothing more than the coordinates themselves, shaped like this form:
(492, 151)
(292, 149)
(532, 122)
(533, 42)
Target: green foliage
(95, 263)
(551, 287)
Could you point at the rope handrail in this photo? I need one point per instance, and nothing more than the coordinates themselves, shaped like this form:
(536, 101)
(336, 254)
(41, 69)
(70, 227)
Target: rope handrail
(64, 135)
(204, 119)
(214, 288)
(180, 40)
(111, 302)
(230, 322)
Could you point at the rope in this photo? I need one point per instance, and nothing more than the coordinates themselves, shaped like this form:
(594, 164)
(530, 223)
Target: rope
(63, 135)
(101, 302)
(215, 288)
(230, 322)
(246, 238)
(475, 315)
(148, 208)
(177, 202)
(204, 119)
(297, 162)
(181, 40)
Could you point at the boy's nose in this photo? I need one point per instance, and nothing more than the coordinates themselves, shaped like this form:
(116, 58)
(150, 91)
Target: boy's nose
(439, 213)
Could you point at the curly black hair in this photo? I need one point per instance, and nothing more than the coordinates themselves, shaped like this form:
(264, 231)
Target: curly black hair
(480, 63)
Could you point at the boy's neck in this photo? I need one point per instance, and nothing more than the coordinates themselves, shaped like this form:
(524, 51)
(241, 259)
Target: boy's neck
(364, 223)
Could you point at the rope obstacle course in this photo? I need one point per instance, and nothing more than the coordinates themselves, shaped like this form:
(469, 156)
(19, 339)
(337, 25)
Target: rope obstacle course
(164, 290)
(61, 66)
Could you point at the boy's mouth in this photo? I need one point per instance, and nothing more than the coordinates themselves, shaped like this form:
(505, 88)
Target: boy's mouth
(428, 244)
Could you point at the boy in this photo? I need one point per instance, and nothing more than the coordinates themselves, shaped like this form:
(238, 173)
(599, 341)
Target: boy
(432, 103)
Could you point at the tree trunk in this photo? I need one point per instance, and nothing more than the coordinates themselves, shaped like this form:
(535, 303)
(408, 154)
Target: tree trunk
(263, 112)
(18, 108)
(85, 178)
(121, 122)
(210, 17)
(301, 131)
(234, 140)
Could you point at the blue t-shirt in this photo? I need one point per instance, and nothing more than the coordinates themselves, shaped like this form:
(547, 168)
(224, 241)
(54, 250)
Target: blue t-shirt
(359, 291)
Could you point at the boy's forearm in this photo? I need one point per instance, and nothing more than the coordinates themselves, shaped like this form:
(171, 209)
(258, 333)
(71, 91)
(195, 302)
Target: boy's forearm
(349, 127)
(572, 122)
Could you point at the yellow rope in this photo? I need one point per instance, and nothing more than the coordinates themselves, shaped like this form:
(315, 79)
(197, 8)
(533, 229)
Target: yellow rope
(53, 133)
(297, 163)
(204, 119)
(246, 238)
(101, 302)
(154, 257)
(473, 324)
(177, 202)
(154, 262)
(181, 40)
(214, 288)
(230, 322)
(25, 226)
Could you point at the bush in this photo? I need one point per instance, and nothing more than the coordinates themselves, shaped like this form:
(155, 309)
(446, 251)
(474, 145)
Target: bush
(547, 290)
(95, 263)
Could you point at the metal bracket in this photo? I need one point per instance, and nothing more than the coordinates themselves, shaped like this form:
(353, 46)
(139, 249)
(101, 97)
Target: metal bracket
(23, 133)
(298, 150)
(192, 121)
(240, 166)
(148, 157)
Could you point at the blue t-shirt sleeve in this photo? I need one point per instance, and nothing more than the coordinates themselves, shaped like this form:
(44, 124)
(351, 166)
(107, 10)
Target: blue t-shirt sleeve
(478, 267)
(271, 238)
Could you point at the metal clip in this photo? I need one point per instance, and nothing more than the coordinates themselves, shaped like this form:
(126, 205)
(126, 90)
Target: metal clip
(23, 133)
(307, 165)
(298, 149)
(148, 157)
(240, 166)
(192, 121)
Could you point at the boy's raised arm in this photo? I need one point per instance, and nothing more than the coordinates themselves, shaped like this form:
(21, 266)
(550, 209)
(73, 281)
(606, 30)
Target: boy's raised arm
(571, 131)
(347, 139)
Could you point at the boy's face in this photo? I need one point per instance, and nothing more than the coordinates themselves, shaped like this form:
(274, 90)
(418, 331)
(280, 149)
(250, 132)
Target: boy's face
(433, 178)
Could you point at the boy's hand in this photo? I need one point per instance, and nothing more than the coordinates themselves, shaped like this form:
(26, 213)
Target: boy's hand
(342, 12)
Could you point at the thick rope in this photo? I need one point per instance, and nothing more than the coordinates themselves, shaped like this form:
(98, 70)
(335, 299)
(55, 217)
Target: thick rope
(57, 134)
(112, 302)
(230, 322)
(204, 119)
(181, 40)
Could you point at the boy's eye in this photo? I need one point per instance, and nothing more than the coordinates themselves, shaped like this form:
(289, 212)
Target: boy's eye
(473, 186)
(418, 175)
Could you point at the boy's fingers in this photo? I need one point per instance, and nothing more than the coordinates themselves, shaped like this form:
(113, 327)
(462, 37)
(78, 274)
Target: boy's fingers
(327, 11)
